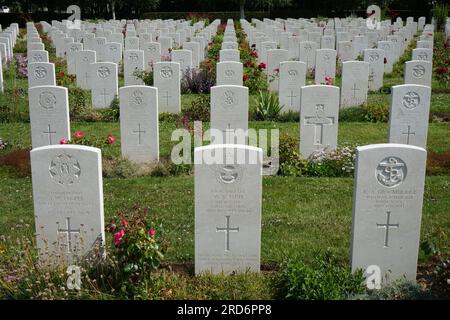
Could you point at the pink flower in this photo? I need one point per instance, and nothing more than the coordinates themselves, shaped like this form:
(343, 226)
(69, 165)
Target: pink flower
(63, 141)
(124, 223)
(151, 232)
(78, 135)
(328, 80)
(118, 237)
(110, 139)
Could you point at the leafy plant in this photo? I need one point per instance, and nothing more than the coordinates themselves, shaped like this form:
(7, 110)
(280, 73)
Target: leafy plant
(146, 76)
(137, 242)
(197, 81)
(267, 107)
(440, 13)
(199, 110)
(324, 279)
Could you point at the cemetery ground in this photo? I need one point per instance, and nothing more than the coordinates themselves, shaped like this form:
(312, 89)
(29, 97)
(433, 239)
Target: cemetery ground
(306, 216)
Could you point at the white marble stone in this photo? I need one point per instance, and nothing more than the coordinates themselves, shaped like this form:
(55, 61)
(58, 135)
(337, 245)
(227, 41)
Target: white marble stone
(167, 80)
(292, 78)
(408, 117)
(133, 62)
(325, 65)
(229, 73)
(355, 83)
(387, 210)
(228, 199)
(319, 115)
(84, 59)
(68, 203)
(274, 58)
(104, 83)
(41, 74)
(418, 72)
(49, 115)
(229, 113)
(375, 59)
(139, 131)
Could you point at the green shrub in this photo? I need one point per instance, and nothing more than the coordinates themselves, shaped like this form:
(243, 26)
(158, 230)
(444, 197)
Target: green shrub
(376, 112)
(146, 76)
(290, 116)
(199, 110)
(399, 290)
(440, 13)
(169, 117)
(324, 279)
(267, 106)
(291, 162)
(79, 103)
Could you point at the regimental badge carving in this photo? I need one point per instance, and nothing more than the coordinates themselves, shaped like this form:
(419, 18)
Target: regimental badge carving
(103, 72)
(230, 100)
(47, 100)
(292, 72)
(418, 71)
(37, 58)
(391, 172)
(166, 72)
(411, 100)
(85, 59)
(65, 170)
(326, 57)
(133, 57)
(40, 72)
(229, 174)
(73, 48)
(374, 57)
(152, 48)
(137, 97)
(113, 48)
(422, 56)
(229, 73)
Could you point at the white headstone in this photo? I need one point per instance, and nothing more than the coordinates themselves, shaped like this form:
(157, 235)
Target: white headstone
(228, 198)
(104, 83)
(355, 83)
(375, 59)
(84, 60)
(319, 114)
(418, 72)
(387, 209)
(49, 115)
(133, 62)
(167, 80)
(229, 73)
(408, 117)
(41, 74)
(139, 131)
(274, 58)
(325, 65)
(292, 78)
(68, 203)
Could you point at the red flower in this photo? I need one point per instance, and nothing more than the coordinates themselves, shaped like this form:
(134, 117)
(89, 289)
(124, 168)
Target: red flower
(328, 81)
(118, 237)
(110, 139)
(385, 60)
(78, 135)
(254, 54)
(447, 61)
(262, 65)
(124, 223)
(63, 141)
(441, 70)
(151, 232)
(246, 64)
(245, 77)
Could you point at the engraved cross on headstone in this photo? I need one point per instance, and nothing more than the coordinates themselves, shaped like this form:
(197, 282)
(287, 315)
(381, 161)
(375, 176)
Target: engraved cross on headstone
(49, 132)
(104, 94)
(68, 231)
(408, 133)
(387, 226)
(292, 96)
(138, 132)
(167, 98)
(319, 121)
(227, 230)
(354, 89)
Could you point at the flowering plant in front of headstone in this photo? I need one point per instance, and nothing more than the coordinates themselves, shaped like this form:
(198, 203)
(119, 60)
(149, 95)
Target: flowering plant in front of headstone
(21, 66)
(137, 241)
(441, 62)
(80, 138)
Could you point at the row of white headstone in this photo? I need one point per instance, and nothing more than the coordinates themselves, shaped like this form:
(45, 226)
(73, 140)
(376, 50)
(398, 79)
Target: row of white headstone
(8, 38)
(387, 207)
